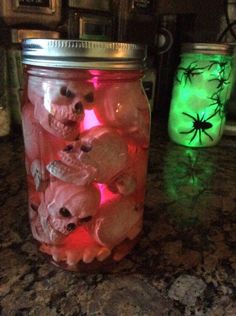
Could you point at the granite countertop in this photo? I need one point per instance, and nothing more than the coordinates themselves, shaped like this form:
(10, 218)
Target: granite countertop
(184, 263)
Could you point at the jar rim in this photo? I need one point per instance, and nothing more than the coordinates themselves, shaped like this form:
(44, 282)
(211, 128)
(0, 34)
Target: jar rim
(207, 48)
(63, 53)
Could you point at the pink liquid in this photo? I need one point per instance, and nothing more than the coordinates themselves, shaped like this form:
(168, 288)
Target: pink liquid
(86, 150)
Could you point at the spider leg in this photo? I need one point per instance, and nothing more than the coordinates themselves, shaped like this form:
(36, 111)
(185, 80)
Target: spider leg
(214, 79)
(221, 88)
(187, 78)
(202, 68)
(218, 81)
(208, 135)
(179, 79)
(197, 72)
(211, 116)
(195, 66)
(222, 70)
(200, 136)
(201, 117)
(215, 95)
(189, 115)
(220, 85)
(194, 135)
(188, 132)
(211, 65)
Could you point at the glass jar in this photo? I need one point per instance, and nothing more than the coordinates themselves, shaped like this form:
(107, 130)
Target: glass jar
(200, 94)
(15, 67)
(230, 125)
(86, 124)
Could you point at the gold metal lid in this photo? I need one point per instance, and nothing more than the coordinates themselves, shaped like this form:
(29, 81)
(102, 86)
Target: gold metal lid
(83, 54)
(207, 48)
(17, 35)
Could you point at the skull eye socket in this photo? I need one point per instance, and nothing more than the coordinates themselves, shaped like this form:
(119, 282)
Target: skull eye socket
(86, 148)
(65, 92)
(34, 207)
(79, 108)
(85, 219)
(70, 227)
(89, 97)
(68, 148)
(64, 212)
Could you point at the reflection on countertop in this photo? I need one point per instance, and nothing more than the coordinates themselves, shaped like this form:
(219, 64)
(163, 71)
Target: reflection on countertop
(184, 264)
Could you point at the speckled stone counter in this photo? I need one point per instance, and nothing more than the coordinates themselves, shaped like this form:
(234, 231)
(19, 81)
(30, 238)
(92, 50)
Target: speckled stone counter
(184, 263)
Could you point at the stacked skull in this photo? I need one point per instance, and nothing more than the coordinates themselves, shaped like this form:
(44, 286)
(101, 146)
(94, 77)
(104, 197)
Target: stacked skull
(86, 180)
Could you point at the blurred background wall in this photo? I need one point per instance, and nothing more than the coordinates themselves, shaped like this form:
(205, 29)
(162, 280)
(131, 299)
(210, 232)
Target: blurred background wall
(161, 25)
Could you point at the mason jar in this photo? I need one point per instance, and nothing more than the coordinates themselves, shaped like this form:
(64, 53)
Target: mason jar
(200, 94)
(86, 123)
(15, 67)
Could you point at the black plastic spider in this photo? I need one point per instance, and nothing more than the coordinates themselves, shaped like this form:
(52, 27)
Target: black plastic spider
(222, 81)
(219, 105)
(221, 64)
(200, 125)
(189, 72)
(220, 108)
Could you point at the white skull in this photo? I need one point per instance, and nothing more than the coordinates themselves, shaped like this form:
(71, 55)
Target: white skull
(66, 207)
(124, 184)
(115, 221)
(59, 105)
(99, 155)
(37, 211)
(124, 106)
(40, 175)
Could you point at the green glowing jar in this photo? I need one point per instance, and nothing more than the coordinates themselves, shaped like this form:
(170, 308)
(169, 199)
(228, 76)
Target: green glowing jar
(200, 94)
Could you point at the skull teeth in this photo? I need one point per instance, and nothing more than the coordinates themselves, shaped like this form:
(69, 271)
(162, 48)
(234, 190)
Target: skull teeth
(58, 168)
(70, 160)
(62, 128)
(78, 176)
(58, 226)
(66, 115)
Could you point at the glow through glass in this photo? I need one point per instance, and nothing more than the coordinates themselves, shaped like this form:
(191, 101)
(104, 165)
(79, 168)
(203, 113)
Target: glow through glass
(200, 94)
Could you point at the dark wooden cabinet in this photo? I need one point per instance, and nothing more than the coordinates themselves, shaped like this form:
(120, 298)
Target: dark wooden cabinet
(175, 7)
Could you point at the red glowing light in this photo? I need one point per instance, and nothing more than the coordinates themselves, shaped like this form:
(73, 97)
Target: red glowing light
(79, 238)
(90, 120)
(106, 194)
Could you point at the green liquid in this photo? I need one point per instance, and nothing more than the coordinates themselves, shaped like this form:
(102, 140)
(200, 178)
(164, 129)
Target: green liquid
(199, 98)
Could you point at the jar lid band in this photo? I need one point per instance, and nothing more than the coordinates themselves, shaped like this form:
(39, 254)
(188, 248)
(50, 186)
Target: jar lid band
(83, 54)
(207, 48)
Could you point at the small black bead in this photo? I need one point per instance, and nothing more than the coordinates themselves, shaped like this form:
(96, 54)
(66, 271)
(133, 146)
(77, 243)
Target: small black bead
(89, 97)
(71, 227)
(64, 212)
